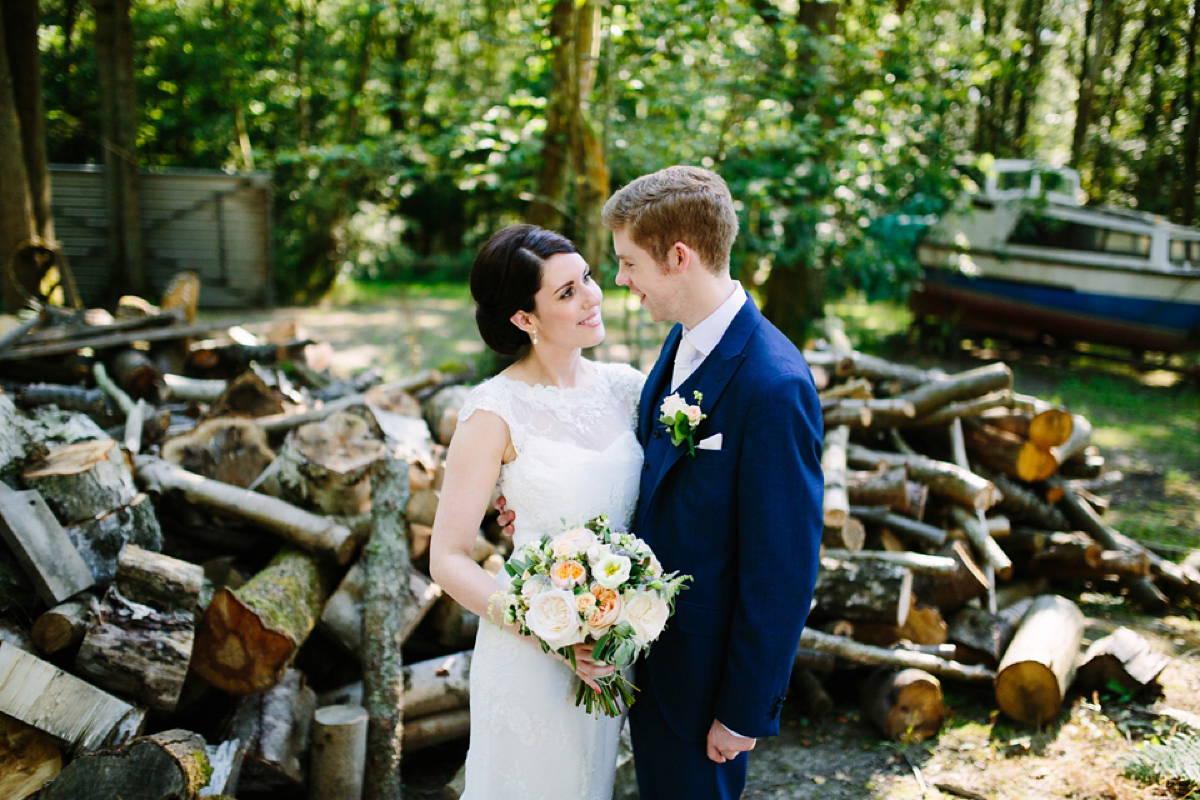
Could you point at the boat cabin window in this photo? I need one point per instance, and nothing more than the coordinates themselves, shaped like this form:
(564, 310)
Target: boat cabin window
(1014, 180)
(1042, 231)
(1185, 251)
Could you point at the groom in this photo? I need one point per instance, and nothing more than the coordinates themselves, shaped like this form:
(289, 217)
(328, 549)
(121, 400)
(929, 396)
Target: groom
(741, 515)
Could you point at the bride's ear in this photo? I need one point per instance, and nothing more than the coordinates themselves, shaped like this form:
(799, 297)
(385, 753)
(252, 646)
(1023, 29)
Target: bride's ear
(522, 320)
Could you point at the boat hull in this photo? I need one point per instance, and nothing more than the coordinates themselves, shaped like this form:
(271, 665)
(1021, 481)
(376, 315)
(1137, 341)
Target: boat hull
(1026, 299)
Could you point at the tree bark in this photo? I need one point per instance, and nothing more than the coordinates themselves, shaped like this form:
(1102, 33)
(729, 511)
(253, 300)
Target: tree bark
(118, 115)
(942, 477)
(953, 592)
(275, 728)
(386, 570)
(325, 466)
(833, 466)
(871, 591)
(83, 481)
(17, 221)
(1122, 658)
(231, 450)
(865, 654)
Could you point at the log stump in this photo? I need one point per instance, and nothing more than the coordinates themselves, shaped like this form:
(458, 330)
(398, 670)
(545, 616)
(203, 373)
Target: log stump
(906, 705)
(164, 766)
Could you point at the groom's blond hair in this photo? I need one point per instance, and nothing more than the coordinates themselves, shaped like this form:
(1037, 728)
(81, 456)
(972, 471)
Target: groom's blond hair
(677, 204)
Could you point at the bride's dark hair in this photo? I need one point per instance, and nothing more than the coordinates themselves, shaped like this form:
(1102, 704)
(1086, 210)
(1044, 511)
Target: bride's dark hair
(507, 273)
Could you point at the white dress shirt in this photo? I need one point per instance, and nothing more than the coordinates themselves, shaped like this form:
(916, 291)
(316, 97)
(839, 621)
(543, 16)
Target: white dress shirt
(701, 340)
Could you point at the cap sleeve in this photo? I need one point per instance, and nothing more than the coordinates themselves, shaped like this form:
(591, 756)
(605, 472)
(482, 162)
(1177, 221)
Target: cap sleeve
(492, 395)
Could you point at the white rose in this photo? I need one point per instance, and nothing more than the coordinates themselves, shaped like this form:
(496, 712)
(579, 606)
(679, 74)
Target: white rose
(568, 543)
(553, 619)
(612, 570)
(672, 404)
(647, 612)
(533, 585)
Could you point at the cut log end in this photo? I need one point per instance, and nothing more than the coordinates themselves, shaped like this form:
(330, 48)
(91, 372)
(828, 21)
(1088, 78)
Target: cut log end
(234, 651)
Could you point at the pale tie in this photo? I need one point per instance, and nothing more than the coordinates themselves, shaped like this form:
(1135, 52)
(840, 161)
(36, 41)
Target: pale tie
(685, 363)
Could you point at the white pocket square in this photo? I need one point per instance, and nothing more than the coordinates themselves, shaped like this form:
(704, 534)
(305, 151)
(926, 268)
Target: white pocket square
(711, 443)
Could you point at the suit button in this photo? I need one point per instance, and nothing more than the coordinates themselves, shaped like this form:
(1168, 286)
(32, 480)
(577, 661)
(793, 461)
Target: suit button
(645, 466)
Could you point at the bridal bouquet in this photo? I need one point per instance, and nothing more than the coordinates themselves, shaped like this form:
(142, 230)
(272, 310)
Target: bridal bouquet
(597, 584)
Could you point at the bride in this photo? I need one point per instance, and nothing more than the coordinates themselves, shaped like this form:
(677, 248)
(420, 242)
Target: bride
(558, 433)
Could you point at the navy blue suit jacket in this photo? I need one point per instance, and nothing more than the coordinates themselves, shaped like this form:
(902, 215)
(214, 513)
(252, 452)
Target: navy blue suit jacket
(744, 521)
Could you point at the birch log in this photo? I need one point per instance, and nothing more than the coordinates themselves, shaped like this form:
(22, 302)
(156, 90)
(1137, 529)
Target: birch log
(100, 540)
(833, 466)
(63, 626)
(312, 532)
(951, 592)
(871, 591)
(343, 613)
(1122, 658)
(942, 477)
(1037, 668)
(56, 702)
(339, 750)
(866, 654)
(276, 729)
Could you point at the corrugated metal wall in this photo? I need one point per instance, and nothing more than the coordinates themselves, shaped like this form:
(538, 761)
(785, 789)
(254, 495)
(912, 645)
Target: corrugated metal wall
(215, 223)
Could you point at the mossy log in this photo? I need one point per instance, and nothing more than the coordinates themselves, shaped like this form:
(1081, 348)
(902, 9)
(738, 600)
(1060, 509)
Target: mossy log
(247, 636)
(163, 766)
(387, 573)
(906, 705)
(1039, 664)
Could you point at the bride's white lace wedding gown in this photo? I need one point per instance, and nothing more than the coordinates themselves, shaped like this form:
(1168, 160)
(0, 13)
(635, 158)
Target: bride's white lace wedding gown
(577, 457)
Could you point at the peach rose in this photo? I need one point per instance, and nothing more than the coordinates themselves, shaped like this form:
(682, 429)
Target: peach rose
(606, 613)
(693, 414)
(565, 574)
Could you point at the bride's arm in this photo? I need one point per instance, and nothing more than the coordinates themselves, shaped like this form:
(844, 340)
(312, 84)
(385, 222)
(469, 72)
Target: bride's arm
(473, 463)
(477, 450)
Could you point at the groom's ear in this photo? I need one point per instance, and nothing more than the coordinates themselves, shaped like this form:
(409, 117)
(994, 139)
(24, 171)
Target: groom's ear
(680, 257)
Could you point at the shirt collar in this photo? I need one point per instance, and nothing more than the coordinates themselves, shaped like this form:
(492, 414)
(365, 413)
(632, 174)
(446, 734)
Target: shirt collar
(706, 335)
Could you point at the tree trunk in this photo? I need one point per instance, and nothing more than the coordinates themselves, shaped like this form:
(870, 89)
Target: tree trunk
(118, 115)
(247, 636)
(546, 208)
(906, 705)
(17, 221)
(386, 570)
(1037, 668)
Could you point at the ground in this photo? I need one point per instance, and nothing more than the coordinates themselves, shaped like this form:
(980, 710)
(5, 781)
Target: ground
(979, 753)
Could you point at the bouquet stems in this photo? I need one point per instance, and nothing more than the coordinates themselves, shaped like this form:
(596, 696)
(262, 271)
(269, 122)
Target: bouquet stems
(615, 695)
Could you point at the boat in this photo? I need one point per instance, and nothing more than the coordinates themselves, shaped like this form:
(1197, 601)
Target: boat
(1018, 256)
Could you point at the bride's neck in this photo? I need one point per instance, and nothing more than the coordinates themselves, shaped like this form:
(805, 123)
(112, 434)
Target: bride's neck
(565, 369)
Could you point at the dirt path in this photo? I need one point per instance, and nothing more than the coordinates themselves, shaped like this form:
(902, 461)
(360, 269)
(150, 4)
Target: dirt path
(978, 754)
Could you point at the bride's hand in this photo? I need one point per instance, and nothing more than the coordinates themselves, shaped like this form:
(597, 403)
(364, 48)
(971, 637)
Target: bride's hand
(586, 667)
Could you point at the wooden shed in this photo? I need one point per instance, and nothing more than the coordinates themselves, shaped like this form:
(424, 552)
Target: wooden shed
(215, 223)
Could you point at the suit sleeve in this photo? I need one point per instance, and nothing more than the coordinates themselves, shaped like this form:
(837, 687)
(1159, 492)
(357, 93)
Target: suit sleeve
(780, 490)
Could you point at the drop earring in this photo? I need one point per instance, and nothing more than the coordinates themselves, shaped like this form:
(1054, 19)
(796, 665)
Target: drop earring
(534, 335)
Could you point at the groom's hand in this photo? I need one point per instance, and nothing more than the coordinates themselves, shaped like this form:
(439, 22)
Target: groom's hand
(724, 745)
(506, 517)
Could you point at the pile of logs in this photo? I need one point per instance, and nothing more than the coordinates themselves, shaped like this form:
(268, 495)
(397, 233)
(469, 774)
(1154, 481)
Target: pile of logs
(213, 573)
(213, 564)
(953, 508)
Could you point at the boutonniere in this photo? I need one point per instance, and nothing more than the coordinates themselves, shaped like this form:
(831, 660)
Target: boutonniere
(681, 419)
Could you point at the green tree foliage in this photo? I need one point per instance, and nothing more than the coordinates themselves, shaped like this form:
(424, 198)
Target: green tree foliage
(400, 133)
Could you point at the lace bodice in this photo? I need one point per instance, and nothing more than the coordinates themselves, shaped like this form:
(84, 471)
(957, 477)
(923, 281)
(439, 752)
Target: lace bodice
(577, 451)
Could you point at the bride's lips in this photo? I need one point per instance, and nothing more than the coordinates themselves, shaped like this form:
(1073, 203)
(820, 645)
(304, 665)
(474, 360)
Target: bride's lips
(593, 321)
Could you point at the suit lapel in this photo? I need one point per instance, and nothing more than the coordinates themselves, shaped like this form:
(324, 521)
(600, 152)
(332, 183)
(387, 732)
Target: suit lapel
(657, 383)
(710, 380)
